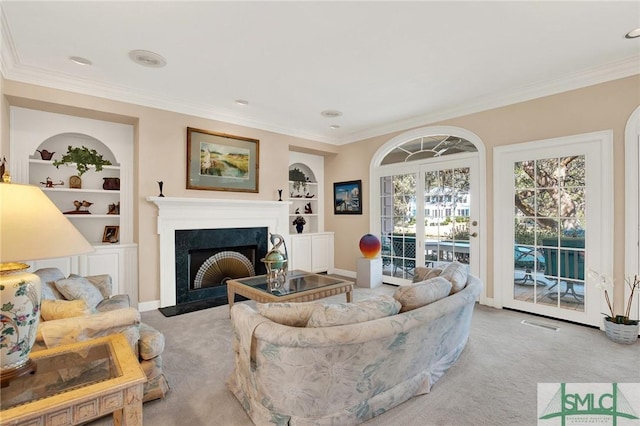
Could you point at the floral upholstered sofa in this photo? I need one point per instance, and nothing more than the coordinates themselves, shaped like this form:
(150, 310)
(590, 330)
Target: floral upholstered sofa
(79, 308)
(319, 363)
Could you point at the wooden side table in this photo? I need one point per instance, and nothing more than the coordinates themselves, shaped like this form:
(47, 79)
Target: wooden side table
(77, 383)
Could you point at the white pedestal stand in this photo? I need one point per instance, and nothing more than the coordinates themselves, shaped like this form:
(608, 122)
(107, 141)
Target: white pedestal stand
(369, 273)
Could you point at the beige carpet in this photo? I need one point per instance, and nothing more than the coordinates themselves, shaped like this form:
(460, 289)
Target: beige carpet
(493, 383)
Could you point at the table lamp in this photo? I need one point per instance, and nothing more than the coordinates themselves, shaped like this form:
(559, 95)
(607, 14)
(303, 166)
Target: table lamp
(31, 228)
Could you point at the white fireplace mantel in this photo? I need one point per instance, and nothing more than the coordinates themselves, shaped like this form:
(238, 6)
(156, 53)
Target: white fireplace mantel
(176, 213)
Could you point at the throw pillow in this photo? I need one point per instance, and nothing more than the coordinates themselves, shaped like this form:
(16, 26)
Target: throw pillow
(291, 314)
(74, 288)
(457, 273)
(420, 294)
(422, 273)
(57, 309)
(331, 314)
(49, 276)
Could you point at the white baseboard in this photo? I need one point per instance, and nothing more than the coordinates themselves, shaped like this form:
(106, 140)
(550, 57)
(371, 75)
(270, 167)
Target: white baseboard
(345, 273)
(148, 306)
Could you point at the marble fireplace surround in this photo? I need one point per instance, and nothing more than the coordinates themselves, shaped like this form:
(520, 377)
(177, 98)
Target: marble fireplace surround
(176, 213)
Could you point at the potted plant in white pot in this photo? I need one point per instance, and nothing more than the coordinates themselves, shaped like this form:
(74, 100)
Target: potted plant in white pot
(619, 328)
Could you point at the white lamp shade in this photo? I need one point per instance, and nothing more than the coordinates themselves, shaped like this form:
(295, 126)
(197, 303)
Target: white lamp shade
(32, 227)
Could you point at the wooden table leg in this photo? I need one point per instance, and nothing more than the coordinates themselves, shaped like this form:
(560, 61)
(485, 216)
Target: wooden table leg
(349, 294)
(131, 413)
(231, 295)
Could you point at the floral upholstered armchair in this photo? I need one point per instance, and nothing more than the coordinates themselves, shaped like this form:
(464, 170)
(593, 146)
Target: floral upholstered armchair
(79, 308)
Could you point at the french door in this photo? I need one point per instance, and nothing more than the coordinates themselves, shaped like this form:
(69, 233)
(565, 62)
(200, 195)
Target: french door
(553, 210)
(427, 216)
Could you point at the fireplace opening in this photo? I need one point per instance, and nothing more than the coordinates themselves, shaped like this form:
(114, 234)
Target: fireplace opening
(211, 268)
(207, 258)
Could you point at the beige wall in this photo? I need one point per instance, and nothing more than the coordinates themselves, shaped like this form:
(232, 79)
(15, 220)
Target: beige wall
(600, 107)
(160, 150)
(4, 123)
(161, 154)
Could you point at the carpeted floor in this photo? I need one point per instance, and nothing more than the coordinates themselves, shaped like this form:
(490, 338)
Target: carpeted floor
(493, 383)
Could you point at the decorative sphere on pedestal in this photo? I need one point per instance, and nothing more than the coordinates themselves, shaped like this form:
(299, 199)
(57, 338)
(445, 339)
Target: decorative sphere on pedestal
(370, 246)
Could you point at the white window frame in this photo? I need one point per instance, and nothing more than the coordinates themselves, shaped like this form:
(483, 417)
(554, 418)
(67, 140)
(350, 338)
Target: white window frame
(375, 173)
(504, 157)
(632, 202)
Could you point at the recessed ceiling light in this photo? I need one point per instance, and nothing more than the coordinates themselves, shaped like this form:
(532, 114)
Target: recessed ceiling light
(147, 59)
(80, 60)
(633, 33)
(242, 102)
(334, 126)
(331, 113)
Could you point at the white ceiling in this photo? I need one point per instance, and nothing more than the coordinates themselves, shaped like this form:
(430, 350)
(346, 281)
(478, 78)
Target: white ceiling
(386, 65)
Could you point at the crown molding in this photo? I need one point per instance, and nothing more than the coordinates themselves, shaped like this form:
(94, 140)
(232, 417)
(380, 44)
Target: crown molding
(597, 75)
(12, 69)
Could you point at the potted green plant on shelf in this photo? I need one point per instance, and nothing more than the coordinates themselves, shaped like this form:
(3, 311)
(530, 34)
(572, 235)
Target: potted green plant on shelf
(619, 328)
(83, 158)
(298, 178)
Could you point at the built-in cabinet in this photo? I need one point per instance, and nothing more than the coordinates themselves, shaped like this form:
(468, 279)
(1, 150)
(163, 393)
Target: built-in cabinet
(312, 249)
(104, 200)
(312, 252)
(304, 197)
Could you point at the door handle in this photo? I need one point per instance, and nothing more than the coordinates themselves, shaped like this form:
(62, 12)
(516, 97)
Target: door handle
(475, 234)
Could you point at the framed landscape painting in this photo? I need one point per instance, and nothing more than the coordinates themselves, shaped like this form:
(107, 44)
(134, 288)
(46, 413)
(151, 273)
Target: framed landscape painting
(347, 197)
(221, 162)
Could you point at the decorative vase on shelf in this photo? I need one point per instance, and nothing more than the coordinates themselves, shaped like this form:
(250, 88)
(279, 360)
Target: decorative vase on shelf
(621, 333)
(111, 184)
(45, 155)
(299, 228)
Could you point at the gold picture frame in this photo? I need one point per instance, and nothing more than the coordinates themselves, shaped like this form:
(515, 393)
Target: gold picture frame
(221, 162)
(111, 234)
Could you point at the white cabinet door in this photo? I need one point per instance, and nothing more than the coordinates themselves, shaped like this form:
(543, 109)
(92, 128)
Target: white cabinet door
(312, 252)
(320, 252)
(300, 253)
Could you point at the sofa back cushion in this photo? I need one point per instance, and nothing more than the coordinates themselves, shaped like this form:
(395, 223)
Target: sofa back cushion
(457, 273)
(422, 273)
(74, 288)
(332, 314)
(420, 294)
(291, 314)
(49, 276)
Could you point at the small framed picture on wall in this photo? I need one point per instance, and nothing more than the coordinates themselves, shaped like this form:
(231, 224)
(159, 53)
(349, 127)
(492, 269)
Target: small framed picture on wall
(111, 234)
(347, 197)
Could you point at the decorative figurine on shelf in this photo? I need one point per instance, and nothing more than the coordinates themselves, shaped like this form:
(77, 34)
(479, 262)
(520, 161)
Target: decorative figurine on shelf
(82, 207)
(309, 195)
(307, 209)
(160, 184)
(297, 211)
(276, 263)
(114, 208)
(299, 222)
(279, 194)
(50, 184)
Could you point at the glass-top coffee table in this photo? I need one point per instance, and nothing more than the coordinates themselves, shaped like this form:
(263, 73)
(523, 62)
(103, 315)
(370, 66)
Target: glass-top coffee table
(300, 286)
(77, 383)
